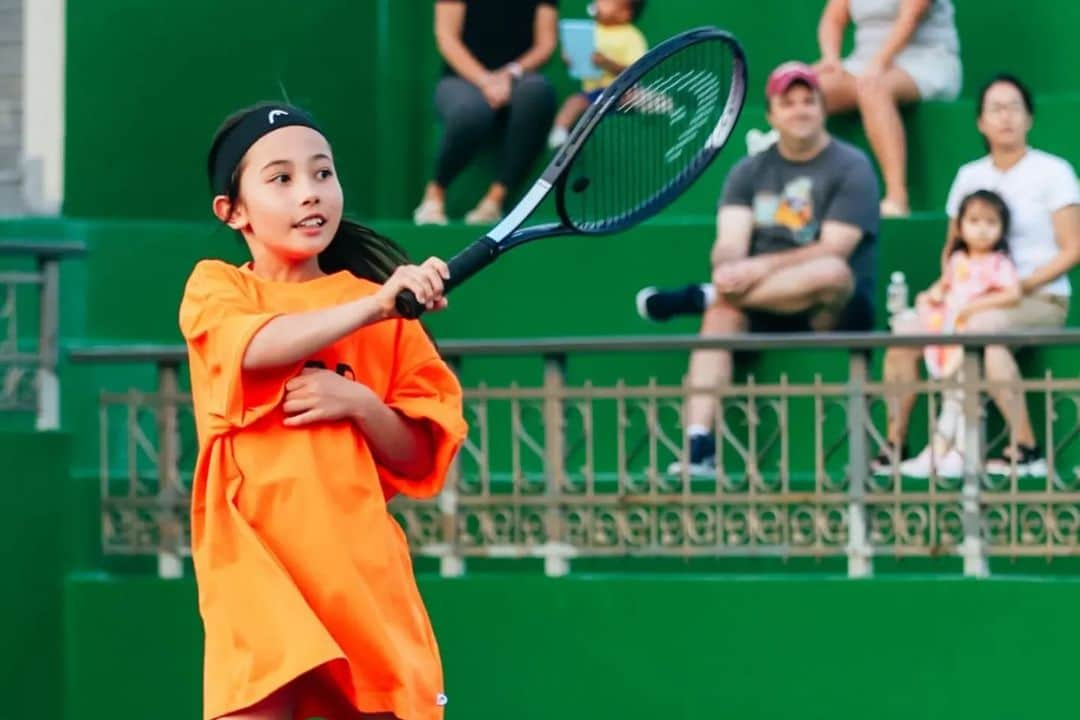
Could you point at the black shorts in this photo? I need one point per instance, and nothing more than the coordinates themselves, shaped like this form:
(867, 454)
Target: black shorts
(858, 317)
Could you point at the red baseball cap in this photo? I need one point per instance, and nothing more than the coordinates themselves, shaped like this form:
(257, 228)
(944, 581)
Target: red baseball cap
(790, 72)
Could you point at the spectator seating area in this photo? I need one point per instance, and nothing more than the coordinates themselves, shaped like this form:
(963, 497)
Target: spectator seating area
(135, 191)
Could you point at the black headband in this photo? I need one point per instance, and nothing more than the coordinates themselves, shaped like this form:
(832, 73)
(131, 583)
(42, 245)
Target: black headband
(234, 144)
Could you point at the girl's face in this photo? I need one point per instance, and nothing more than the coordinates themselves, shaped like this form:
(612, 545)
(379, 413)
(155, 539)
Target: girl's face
(980, 227)
(290, 201)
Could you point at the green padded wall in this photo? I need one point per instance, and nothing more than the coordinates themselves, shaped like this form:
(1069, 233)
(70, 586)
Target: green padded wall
(648, 646)
(169, 73)
(148, 83)
(35, 518)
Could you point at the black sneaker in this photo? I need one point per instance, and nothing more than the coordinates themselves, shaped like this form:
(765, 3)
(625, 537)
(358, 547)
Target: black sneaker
(1030, 462)
(660, 305)
(886, 464)
(702, 457)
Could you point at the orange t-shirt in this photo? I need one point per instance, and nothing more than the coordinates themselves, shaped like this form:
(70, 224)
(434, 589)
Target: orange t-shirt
(299, 564)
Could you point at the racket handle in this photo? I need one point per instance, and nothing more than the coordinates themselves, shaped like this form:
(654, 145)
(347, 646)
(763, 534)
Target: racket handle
(463, 266)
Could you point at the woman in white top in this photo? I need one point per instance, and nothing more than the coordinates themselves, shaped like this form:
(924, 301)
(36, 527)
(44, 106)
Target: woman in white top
(905, 51)
(1043, 196)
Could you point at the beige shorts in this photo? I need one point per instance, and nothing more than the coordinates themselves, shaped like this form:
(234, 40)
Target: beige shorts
(1034, 312)
(1041, 311)
(937, 72)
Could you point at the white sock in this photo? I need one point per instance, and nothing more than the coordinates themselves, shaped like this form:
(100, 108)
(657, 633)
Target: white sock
(558, 137)
(697, 430)
(709, 291)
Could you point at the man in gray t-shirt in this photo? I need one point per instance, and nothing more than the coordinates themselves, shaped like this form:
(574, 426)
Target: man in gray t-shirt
(795, 248)
(791, 201)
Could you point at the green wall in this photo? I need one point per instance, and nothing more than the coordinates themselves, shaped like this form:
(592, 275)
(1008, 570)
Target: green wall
(148, 83)
(648, 646)
(35, 524)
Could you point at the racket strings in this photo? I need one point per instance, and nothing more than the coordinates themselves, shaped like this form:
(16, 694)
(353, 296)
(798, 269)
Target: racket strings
(659, 132)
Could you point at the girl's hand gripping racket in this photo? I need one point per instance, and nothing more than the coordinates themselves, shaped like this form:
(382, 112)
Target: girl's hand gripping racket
(651, 134)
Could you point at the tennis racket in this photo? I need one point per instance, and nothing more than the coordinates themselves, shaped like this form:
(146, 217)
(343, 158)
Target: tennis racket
(652, 133)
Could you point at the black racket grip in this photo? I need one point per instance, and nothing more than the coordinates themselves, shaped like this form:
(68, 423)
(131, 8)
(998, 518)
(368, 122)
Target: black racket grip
(463, 266)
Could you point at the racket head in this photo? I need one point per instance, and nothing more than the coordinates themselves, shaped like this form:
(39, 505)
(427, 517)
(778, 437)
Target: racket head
(652, 133)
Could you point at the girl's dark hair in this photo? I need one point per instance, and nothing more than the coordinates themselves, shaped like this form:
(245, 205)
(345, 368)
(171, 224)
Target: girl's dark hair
(636, 8)
(1009, 79)
(993, 200)
(354, 247)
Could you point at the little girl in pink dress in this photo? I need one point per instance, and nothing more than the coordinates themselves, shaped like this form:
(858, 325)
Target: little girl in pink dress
(979, 276)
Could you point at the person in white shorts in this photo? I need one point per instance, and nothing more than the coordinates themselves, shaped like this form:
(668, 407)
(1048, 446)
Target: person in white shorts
(905, 51)
(1043, 196)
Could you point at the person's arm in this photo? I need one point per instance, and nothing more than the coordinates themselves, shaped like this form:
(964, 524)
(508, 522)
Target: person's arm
(402, 445)
(397, 442)
(958, 190)
(910, 15)
(950, 242)
(734, 226)
(1067, 234)
(936, 292)
(830, 31)
(449, 24)
(290, 338)
(607, 64)
(1003, 298)
(838, 239)
(545, 38)
(735, 215)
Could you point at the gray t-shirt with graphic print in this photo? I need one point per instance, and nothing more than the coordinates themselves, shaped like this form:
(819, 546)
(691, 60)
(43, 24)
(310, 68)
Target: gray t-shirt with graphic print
(791, 200)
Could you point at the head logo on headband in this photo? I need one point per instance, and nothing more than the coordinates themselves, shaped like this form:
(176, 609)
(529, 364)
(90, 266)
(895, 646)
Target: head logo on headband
(229, 149)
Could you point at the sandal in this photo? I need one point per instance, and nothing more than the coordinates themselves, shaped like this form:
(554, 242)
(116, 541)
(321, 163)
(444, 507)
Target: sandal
(430, 212)
(486, 213)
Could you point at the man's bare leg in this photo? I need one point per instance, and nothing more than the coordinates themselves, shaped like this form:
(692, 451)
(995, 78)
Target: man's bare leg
(711, 368)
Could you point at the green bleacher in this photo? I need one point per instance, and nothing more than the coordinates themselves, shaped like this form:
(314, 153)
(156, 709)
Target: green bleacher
(368, 74)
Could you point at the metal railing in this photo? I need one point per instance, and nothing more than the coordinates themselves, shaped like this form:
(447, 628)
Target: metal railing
(563, 471)
(28, 380)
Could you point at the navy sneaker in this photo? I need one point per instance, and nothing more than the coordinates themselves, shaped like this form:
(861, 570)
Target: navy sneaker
(661, 305)
(702, 457)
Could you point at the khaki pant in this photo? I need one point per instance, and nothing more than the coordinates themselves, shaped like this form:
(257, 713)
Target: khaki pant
(1041, 311)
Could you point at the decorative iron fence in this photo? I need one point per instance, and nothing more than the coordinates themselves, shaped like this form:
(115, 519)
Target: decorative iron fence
(563, 471)
(28, 379)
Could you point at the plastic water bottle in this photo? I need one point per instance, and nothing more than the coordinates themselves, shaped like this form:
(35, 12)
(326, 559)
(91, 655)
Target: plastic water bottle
(896, 297)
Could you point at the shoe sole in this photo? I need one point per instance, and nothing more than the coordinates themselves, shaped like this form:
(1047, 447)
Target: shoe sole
(693, 470)
(1036, 469)
(640, 301)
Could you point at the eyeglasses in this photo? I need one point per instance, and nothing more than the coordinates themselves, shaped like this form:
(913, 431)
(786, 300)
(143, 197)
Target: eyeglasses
(1011, 108)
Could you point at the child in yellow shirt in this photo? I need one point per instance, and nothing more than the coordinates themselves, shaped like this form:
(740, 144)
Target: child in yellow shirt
(618, 45)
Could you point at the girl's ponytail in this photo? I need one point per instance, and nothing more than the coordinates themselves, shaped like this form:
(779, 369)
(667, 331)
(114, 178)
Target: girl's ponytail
(363, 252)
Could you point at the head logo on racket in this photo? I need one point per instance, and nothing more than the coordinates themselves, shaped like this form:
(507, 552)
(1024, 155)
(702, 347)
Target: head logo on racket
(649, 136)
(274, 114)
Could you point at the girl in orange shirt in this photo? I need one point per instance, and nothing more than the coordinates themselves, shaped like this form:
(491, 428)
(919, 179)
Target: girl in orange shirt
(314, 404)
